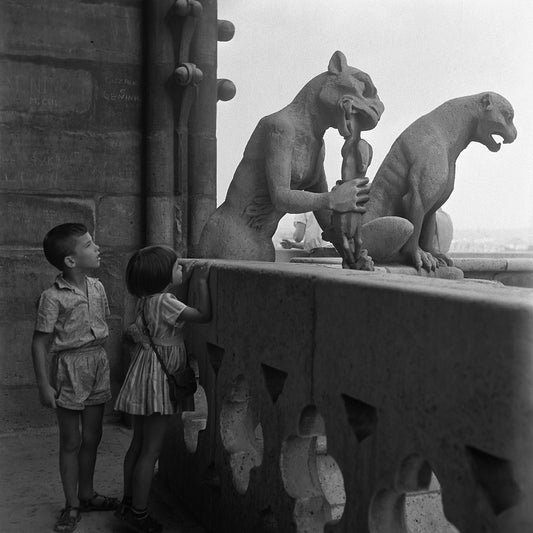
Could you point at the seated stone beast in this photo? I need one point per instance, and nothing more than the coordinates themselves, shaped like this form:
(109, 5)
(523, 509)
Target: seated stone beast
(417, 176)
(282, 167)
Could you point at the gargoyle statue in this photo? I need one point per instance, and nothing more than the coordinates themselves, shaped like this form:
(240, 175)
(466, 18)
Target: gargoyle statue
(417, 176)
(282, 169)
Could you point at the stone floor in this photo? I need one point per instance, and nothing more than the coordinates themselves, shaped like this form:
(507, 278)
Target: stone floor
(30, 488)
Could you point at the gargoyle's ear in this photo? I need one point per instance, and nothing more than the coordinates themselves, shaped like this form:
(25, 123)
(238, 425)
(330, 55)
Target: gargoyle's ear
(486, 101)
(337, 63)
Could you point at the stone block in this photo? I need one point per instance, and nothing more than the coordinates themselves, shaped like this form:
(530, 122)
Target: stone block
(482, 264)
(118, 97)
(100, 31)
(44, 89)
(112, 274)
(515, 278)
(27, 218)
(67, 161)
(73, 95)
(25, 274)
(119, 221)
(15, 352)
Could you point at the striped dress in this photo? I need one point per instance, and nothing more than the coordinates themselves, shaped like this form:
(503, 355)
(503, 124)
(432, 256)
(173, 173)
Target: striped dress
(145, 388)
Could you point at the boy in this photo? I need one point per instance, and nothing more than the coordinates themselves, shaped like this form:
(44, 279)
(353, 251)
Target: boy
(71, 324)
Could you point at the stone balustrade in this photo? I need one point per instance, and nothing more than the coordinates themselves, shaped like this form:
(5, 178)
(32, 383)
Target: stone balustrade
(346, 401)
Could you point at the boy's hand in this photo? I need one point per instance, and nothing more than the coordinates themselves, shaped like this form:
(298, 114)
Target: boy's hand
(47, 396)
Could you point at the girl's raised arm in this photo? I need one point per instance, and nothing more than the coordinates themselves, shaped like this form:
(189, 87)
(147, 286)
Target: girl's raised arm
(202, 312)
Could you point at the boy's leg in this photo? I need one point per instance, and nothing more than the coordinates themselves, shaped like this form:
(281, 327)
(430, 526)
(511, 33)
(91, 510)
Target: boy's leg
(154, 429)
(91, 424)
(132, 455)
(69, 445)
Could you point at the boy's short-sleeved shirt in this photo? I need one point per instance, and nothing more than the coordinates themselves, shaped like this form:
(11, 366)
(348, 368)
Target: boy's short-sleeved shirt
(76, 320)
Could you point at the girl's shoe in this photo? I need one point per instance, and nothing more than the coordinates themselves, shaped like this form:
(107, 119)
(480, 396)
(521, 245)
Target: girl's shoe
(146, 524)
(123, 506)
(98, 503)
(68, 519)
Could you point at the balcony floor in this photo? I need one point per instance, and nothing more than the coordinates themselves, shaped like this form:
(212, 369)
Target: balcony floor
(31, 495)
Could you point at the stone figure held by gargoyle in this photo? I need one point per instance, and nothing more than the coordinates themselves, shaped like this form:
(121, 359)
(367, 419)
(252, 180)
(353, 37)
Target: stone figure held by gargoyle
(282, 169)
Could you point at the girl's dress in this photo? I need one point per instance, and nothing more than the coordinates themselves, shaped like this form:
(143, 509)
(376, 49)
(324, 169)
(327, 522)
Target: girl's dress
(145, 388)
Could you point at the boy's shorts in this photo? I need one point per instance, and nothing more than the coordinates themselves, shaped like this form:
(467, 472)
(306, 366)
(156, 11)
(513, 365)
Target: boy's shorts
(81, 377)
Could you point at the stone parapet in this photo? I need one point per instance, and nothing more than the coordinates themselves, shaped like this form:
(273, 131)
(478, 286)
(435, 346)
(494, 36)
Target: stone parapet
(514, 270)
(342, 400)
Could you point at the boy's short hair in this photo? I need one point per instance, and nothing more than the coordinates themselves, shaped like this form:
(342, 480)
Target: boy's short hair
(149, 270)
(60, 242)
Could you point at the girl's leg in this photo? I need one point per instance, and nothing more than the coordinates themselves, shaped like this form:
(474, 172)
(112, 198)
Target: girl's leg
(154, 428)
(91, 427)
(132, 455)
(69, 445)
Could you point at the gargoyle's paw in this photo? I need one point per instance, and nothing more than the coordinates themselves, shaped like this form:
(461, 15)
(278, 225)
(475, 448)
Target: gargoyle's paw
(415, 259)
(443, 259)
(428, 261)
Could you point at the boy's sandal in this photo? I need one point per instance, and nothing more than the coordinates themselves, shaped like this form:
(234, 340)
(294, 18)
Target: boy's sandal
(98, 503)
(68, 519)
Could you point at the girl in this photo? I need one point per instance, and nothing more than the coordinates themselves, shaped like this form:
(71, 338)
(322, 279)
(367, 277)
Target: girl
(144, 394)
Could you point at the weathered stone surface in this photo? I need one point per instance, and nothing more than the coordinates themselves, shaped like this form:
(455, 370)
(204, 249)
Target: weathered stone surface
(271, 393)
(515, 278)
(97, 31)
(118, 221)
(72, 95)
(399, 396)
(112, 274)
(37, 88)
(25, 274)
(113, 347)
(35, 215)
(66, 161)
(15, 352)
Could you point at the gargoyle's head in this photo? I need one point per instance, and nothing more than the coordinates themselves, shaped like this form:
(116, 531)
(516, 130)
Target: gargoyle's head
(348, 91)
(495, 118)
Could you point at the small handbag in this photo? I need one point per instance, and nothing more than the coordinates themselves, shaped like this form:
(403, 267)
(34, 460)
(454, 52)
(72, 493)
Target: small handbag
(182, 383)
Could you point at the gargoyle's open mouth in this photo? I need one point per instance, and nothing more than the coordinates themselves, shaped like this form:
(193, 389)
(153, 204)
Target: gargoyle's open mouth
(493, 145)
(350, 113)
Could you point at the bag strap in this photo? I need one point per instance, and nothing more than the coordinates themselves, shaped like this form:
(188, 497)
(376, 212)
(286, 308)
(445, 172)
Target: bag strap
(156, 351)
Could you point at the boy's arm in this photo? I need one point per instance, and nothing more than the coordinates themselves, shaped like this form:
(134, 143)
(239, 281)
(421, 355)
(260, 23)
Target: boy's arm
(39, 349)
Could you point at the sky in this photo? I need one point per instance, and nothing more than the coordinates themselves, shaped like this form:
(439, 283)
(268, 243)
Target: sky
(419, 53)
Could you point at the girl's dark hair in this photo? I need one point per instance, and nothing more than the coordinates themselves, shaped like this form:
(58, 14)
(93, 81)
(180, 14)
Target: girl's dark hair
(60, 242)
(149, 270)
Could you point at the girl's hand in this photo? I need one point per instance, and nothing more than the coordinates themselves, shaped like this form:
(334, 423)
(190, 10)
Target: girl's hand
(202, 271)
(188, 268)
(47, 396)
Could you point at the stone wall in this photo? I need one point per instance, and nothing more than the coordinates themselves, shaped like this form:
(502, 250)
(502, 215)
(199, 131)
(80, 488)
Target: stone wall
(70, 136)
(336, 400)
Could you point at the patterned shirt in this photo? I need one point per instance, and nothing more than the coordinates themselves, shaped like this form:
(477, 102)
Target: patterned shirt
(77, 320)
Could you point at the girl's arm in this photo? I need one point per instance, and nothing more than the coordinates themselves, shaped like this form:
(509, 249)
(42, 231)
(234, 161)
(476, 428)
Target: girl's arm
(202, 312)
(39, 349)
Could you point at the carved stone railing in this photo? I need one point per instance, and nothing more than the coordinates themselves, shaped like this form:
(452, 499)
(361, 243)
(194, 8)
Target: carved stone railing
(336, 400)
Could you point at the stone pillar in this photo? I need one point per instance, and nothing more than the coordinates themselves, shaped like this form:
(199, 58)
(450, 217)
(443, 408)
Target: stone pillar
(159, 125)
(202, 127)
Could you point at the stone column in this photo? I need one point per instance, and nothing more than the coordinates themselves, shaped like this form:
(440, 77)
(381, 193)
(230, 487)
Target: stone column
(202, 127)
(159, 125)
